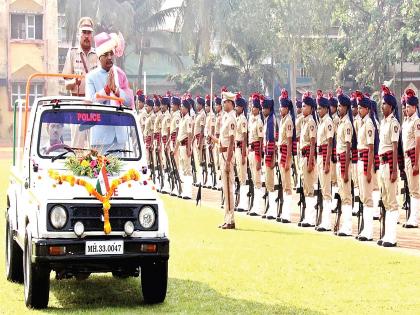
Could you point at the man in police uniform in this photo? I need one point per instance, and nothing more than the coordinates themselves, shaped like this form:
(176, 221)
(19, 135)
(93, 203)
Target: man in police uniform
(411, 145)
(241, 151)
(256, 135)
(81, 59)
(149, 122)
(344, 146)
(208, 132)
(308, 156)
(218, 125)
(165, 132)
(354, 158)
(287, 136)
(198, 139)
(389, 133)
(141, 111)
(157, 138)
(227, 149)
(183, 144)
(333, 169)
(174, 127)
(325, 134)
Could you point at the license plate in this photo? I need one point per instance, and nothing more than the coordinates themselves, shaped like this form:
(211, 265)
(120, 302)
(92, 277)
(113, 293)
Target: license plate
(104, 247)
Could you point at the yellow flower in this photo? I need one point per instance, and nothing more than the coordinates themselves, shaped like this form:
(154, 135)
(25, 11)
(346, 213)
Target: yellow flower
(84, 163)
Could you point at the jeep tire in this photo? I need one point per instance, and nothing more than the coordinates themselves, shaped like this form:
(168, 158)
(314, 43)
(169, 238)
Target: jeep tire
(14, 256)
(154, 281)
(36, 280)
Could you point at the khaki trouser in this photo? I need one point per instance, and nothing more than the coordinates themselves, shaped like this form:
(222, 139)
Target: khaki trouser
(413, 181)
(308, 178)
(344, 189)
(269, 178)
(228, 184)
(286, 180)
(333, 170)
(324, 179)
(365, 188)
(375, 185)
(241, 168)
(256, 174)
(389, 190)
(185, 161)
(354, 174)
(197, 158)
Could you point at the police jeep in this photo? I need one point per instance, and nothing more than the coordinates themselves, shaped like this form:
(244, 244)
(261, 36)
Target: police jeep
(58, 227)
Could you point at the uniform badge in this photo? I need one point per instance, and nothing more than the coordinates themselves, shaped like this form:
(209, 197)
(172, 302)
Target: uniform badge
(189, 125)
(348, 131)
(418, 126)
(243, 125)
(370, 133)
(232, 126)
(396, 129)
(329, 127)
(177, 122)
(260, 129)
(289, 127)
(312, 128)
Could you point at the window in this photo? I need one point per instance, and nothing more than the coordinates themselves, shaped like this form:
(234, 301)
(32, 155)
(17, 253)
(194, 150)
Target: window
(62, 54)
(62, 36)
(19, 92)
(26, 26)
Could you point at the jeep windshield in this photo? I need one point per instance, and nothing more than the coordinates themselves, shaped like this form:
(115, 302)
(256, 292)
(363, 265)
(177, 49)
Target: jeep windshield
(107, 132)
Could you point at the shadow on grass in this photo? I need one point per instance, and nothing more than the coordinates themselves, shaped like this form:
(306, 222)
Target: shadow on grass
(110, 295)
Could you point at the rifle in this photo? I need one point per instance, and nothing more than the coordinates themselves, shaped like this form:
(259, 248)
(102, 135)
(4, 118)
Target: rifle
(338, 213)
(159, 168)
(407, 199)
(152, 166)
(237, 185)
(360, 218)
(194, 170)
(294, 172)
(279, 198)
(169, 170)
(302, 202)
(250, 183)
(176, 173)
(212, 166)
(204, 165)
(319, 205)
(382, 218)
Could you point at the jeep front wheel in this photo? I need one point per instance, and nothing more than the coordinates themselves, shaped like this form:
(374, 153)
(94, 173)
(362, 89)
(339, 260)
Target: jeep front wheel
(36, 280)
(14, 257)
(154, 281)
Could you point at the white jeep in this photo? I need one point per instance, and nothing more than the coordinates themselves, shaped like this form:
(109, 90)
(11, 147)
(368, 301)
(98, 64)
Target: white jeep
(60, 227)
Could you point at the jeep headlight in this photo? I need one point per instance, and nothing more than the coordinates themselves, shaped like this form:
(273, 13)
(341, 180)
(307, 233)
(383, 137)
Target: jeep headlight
(58, 217)
(147, 217)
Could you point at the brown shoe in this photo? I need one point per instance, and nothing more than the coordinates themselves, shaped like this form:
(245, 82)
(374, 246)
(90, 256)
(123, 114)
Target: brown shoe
(222, 226)
(228, 226)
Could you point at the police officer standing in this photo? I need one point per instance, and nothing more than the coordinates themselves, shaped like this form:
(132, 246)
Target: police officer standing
(81, 59)
(165, 132)
(241, 151)
(218, 125)
(227, 149)
(198, 139)
(174, 127)
(325, 134)
(411, 142)
(208, 132)
(148, 130)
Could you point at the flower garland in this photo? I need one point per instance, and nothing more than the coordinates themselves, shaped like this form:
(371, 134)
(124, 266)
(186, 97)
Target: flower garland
(104, 199)
(91, 163)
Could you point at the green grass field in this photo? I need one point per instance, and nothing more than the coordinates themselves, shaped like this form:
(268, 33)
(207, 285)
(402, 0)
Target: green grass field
(261, 268)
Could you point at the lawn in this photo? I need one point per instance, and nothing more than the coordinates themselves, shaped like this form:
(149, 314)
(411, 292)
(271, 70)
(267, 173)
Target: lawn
(261, 267)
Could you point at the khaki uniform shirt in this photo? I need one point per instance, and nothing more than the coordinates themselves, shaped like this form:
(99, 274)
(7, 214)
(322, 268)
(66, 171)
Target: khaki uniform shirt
(199, 122)
(299, 120)
(389, 133)
(175, 120)
(241, 127)
(218, 125)
(308, 131)
(366, 133)
(157, 126)
(185, 127)
(325, 130)
(74, 65)
(149, 124)
(228, 128)
(357, 121)
(142, 118)
(336, 121)
(255, 128)
(210, 123)
(410, 131)
(344, 134)
(286, 129)
(166, 123)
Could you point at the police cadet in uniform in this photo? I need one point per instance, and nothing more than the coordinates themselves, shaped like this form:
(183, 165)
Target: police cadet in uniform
(219, 116)
(298, 126)
(198, 139)
(325, 134)
(208, 133)
(333, 169)
(183, 144)
(256, 134)
(270, 128)
(140, 100)
(148, 129)
(411, 143)
(354, 158)
(227, 149)
(287, 136)
(307, 160)
(174, 127)
(81, 59)
(157, 128)
(345, 142)
(241, 151)
(165, 133)
(388, 170)
(366, 145)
